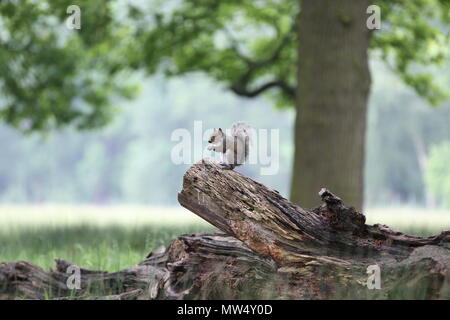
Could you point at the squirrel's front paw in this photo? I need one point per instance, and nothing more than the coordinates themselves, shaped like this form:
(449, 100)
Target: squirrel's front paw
(226, 166)
(210, 148)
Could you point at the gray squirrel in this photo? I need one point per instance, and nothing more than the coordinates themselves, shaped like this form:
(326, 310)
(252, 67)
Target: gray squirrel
(234, 146)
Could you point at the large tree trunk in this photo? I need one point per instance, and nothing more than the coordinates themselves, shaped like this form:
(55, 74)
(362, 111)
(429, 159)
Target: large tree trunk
(271, 248)
(331, 101)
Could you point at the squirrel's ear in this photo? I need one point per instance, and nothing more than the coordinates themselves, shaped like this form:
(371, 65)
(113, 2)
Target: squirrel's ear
(220, 129)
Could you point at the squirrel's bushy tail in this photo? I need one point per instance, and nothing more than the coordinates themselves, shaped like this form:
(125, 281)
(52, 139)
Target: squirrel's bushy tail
(243, 132)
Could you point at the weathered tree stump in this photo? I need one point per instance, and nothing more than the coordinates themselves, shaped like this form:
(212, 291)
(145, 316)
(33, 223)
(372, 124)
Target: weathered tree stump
(270, 248)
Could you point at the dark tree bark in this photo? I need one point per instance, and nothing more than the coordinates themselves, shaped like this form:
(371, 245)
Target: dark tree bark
(271, 248)
(331, 100)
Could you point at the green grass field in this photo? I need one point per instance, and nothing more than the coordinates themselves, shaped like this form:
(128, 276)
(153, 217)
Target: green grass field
(113, 238)
(105, 238)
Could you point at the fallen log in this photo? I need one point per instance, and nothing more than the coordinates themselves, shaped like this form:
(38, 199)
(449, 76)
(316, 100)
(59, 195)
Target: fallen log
(270, 248)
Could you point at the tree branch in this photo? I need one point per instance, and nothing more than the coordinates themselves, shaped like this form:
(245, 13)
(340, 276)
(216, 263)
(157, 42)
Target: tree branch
(242, 90)
(241, 86)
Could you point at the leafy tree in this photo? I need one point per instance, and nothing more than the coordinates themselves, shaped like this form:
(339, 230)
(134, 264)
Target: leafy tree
(311, 54)
(51, 76)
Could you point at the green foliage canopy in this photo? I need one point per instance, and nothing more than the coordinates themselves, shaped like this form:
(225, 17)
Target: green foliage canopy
(51, 76)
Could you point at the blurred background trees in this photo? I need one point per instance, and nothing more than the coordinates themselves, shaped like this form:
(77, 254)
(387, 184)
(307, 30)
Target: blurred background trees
(438, 173)
(51, 77)
(63, 166)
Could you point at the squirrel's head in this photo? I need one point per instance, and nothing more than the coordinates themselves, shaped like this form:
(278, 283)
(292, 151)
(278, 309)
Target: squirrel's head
(216, 135)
